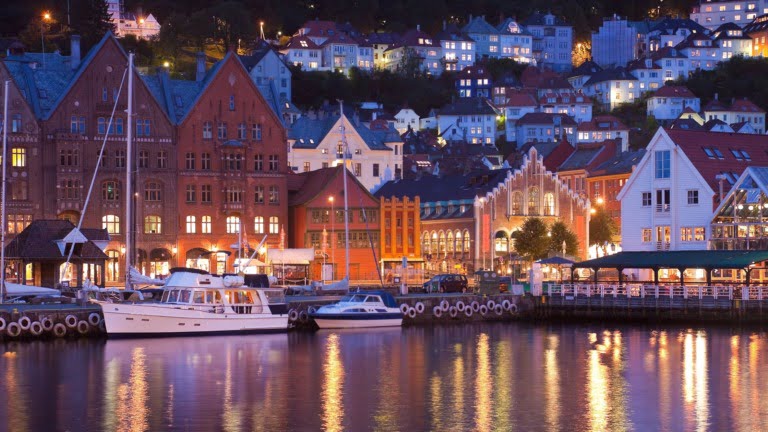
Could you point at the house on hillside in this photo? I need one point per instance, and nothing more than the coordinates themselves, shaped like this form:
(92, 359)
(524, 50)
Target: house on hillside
(468, 119)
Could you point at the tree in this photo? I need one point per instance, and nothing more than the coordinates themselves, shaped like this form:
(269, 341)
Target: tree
(410, 64)
(559, 233)
(601, 228)
(531, 239)
(91, 20)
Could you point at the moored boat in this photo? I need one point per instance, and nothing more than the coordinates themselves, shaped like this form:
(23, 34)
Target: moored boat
(360, 310)
(195, 302)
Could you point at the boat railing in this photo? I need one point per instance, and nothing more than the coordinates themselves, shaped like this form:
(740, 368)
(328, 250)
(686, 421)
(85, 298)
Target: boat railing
(641, 290)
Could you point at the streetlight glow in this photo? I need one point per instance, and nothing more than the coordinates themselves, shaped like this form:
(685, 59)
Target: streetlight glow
(46, 16)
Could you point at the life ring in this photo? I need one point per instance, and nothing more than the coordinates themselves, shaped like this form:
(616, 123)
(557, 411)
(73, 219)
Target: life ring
(468, 312)
(499, 309)
(420, 307)
(59, 330)
(47, 323)
(36, 328)
(475, 306)
(2, 323)
(483, 309)
(444, 305)
(303, 316)
(71, 321)
(293, 315)
(311, 309)
(412, 312)
(25, 322)
(437, 312)
(13, 330)
(460, 306)
(404, 308)
(453, 311)
(94, 319)
(491, 305)
(513, 308)
(506, 304)
(82, 327)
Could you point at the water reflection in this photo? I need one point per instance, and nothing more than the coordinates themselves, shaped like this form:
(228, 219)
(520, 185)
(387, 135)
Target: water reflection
(510, 377)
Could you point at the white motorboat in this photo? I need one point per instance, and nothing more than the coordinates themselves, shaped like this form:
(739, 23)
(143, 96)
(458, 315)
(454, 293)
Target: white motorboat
(195, 302)
(360, 310)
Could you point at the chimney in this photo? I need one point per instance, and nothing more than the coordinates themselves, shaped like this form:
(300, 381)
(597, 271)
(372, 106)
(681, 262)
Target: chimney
(200, 71)
(715, 96)
(444, 25)
(418, 27)
(74, 55)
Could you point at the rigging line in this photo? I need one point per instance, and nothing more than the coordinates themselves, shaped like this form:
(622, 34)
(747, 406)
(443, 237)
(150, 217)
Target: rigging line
(95, 172)
(370, 240)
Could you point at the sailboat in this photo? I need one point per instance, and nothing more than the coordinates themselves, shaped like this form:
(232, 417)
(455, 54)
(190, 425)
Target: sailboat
(193, 302)
(359, 310)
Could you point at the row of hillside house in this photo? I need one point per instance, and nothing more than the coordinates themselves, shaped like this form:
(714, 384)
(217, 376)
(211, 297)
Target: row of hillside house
(542, 39)
(210, 154)
(143, 26)
(712, 14)
(468, 220)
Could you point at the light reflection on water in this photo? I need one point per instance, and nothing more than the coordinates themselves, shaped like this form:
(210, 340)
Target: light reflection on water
(485, 377)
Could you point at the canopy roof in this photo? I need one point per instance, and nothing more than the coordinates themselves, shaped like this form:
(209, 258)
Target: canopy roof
(705, 259)
(556, 260)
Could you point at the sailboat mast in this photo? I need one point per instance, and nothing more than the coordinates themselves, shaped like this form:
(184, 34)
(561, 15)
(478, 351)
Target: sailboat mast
(128, 188)
(344, 151)
(2, 209)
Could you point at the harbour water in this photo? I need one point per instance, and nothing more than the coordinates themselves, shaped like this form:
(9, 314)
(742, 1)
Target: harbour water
(477, 377)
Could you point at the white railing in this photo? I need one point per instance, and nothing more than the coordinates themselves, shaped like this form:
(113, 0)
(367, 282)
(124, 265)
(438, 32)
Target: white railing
(635, 290)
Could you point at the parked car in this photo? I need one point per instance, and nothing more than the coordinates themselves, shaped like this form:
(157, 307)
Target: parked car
(446, 283)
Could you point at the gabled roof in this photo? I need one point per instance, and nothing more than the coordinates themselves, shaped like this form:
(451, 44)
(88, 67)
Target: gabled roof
(538, 19)
(759, 24)
(340, 39)
(317, 28)
(717, 123)
(468, 106)
(308, 185)
(685, 124)
(382, 38)
(672, 25)
(511, 27)
(715, 105)
(536, 118)
(37, 242)
(452, 33)
(479, 25)
(613, 74)
(564, 97)
(689, 41)
(645, 63)
(308, 133)
(474, 71)
(520, 98)
(622, 163)
(721, 33)
(603, 123)
(587, 154)
(745, 105)
(587, 67)
(432, 188)
(672, 91)
(668, 52)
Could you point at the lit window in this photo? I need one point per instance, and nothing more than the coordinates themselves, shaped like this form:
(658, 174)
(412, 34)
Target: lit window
(273, 225)
(205, 224)
(233, 224)
(258, 224)
(111, 223)
(19, 157)
(153, 225)
(191, 224)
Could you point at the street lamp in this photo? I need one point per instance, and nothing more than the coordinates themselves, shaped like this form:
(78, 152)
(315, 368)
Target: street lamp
(46, 17)
(333, 241)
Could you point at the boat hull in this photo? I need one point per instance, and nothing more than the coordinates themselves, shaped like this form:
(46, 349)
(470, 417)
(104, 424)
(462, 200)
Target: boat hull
(342, 321)
(133, 320)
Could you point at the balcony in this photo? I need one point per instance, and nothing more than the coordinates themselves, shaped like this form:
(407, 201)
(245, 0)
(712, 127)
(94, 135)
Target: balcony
(662, 246)
(663, 208)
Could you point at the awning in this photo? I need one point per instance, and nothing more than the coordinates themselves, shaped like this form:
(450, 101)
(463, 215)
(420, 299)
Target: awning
(705, 259)
(291, 256)
(555, 260)
(197, 253)
(160, 254)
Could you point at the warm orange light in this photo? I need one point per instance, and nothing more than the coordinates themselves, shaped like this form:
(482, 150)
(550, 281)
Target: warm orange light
(141, 20)
(600, 200)
(330, 199)
(593, 211)
(46, 16)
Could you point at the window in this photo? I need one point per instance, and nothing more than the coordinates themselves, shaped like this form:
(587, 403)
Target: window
(162, 159)
(517, 203)
(222, 131)
(306, 166)
(232, 102)
(233, 224)
(698, 233)
(119, 126)
(143, 127)
(273, 225)
(274, 197)
(207, 130)
(233, 194)
(69, 189)
(153, 191)
(205, 161)
(241, 134)
(19, 157)
(19, 189)
(693, 197)
(533, 201)
(113, 266)
(191, 193)
(549, 204)
(259, 195)
(256, 132)
(111, 223)
(258, 162)
(16, 123)
(646, 199)
(205, 194)
(69, 157)
(258, 224)
(189, 161)
(273, 163)
(191, 225)
(686, 234)
(662, 160)
(662, 200)
(153, 225)
(205, 224)
(375, 170)
(110, 191)
(119, 158)
(143, 159)
(77, 125)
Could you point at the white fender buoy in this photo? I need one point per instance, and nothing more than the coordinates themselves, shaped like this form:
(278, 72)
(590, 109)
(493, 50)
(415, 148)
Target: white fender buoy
(70, 321)
(25, 322)
(36, 328)
(420, 307)
(468, 312)
(444, 305)
(94, 319)
(499, 309)
(13, 329)
(404, 308)
(303, 316)
(506, 304)
(412, 312)
(453, 311)
(483, 309)
(82, 327)
(460, 306)
(59, 330)
(513, 308)
(491, 305)
(293, 315)
(2, 323)
(437, 312)
(475, 306)
(47, 323)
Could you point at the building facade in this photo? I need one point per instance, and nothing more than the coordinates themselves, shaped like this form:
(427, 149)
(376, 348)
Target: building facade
(400, 229)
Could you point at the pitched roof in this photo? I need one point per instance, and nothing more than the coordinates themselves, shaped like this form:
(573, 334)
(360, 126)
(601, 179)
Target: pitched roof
(538, 19)
(715, 105)
(319, 28)
(725, 30)
(520, 98)
(382, 38)
(759, 24)
(432, 188)
(584, 156)
(622, 163)
(308, 133)
(340, 39)
(452, 33)
(603, 123)
(308, 185)
(416, 38)
(587, 67)
(474, 71)
(717, 123)
(613, 74)
(686, 124)
(468, 106)
(672, 25)
(511, 27)
(545, 118)
(745, 105)
(478, 24)
(674, 91)
(38, 242)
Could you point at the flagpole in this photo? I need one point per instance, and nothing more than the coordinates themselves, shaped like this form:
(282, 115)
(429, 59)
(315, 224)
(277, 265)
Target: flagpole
(2, 210)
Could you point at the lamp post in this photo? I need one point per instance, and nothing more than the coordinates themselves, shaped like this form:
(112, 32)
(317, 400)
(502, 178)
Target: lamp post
(45, 18)
(333, 241)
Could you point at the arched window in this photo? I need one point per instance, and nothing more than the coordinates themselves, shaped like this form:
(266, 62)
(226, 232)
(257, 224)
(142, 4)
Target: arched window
(549, 204)
(111, 223)
(466, 241)
(153, 225)
(233, 224)
(425, 243)
(459, 242)
(441, 242)
(450, 247)
(191, 224)
(153, 191)
(434, 248)
(110, 190)
(533, 201)
(501, 242)
(517, 203)
(113, 266)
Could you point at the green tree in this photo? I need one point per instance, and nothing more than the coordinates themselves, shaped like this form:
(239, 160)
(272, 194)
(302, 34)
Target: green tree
(531, 239)
(559, 233)
(410, 64)
(601, 228)
(91, 20)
